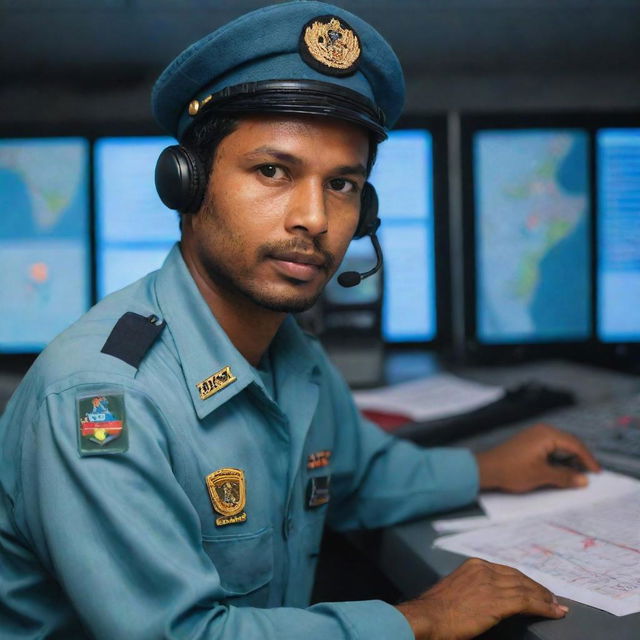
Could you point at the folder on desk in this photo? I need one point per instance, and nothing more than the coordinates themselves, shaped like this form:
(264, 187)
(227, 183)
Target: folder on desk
(446, 407)
(438, 396)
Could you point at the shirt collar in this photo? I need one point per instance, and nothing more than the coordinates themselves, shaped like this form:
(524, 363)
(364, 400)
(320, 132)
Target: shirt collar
(204, 348)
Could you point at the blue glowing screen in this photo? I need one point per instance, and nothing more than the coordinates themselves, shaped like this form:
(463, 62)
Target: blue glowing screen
(45, 268)
(618, 273)
(532, 240)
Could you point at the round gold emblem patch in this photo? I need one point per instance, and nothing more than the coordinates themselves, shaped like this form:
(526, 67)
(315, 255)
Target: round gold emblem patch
(330, 46)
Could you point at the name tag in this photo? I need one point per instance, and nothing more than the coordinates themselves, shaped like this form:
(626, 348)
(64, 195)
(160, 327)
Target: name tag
(318, 491)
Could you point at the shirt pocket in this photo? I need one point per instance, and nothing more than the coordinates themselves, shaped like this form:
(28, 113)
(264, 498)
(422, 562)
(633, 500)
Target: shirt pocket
(244, 561)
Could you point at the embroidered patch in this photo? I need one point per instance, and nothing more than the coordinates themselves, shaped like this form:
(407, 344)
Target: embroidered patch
(228, 495)
(318, 459)
(101, 424)
(215, 382)
(318, 491)
(329, 45)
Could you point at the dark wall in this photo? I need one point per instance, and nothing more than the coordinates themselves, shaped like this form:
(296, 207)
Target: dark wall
(84, 61)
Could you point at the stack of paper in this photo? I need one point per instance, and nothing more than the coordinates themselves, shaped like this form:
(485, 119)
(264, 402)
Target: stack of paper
(582, 544)
(438, 396)
(500, 507)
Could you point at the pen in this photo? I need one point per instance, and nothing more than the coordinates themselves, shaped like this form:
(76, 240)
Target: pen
(559, 457)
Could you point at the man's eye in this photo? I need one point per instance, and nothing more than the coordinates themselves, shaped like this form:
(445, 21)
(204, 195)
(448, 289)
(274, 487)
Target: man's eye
(342, 185)
(271, 171)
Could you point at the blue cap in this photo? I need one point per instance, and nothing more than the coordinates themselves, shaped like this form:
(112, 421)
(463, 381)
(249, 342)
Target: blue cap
(297, 57)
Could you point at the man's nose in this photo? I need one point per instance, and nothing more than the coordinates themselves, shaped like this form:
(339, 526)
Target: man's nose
(308, 209)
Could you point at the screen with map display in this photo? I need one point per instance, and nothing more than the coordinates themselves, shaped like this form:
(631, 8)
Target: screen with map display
(134, 230)
(45, 273)
(532, 235)
(403, 178)
(618, 279)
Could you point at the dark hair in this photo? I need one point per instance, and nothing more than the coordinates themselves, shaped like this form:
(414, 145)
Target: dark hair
(204, 136)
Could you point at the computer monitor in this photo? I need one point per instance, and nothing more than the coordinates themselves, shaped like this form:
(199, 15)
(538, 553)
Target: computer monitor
(45, 262)
(404, 180)
(528, 218)
(134, 230)
(618, 233)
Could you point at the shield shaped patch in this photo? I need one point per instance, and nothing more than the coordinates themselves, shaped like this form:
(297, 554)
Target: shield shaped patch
(227, 491)
(102, 425)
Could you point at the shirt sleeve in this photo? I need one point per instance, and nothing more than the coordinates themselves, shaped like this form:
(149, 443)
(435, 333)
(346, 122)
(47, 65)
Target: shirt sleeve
(379, 480)
(124, 541)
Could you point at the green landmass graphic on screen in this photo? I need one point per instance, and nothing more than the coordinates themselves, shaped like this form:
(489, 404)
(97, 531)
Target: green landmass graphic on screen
(51, 175)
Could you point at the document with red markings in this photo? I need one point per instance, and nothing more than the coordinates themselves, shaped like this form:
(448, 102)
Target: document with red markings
(589, 553)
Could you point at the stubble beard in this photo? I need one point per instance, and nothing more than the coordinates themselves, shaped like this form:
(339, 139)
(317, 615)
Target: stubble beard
(221, 271)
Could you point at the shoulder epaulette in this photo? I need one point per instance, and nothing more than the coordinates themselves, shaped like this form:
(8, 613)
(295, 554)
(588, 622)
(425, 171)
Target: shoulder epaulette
(132, 336)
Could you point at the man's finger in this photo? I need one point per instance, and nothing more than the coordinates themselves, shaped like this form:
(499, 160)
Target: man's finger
(565, 478)
(518, 585)
(515, 602)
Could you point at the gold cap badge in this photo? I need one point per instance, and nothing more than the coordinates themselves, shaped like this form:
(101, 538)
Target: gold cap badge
(215, 382)
(228, 495)
(330, 46)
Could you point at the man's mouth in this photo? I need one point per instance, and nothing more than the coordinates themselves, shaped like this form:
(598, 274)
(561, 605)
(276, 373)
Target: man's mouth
(298, 265)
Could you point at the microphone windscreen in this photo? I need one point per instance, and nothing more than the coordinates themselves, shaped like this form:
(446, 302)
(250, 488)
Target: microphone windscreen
(349, 278)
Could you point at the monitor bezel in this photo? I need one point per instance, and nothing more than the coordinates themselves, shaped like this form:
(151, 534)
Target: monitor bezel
(619, 354)
(436, 125)
(591, 348)
(19, 360)
(507, 352)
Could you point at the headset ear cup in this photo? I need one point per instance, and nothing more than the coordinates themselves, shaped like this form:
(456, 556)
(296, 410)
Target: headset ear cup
(369, 220)
(180, 179)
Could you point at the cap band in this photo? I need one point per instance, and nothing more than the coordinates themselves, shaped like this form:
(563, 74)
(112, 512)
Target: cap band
(307, 97)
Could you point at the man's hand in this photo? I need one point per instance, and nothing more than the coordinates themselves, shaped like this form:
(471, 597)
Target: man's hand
(474, 598)
(522, 463)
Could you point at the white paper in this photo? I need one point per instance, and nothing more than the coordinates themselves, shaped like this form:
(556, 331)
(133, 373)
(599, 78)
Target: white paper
(590, 554)
(507, 506)
(437, 396)
(500, 507)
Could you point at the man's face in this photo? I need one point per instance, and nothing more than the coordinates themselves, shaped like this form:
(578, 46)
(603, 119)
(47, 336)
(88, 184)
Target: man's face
(282, 204)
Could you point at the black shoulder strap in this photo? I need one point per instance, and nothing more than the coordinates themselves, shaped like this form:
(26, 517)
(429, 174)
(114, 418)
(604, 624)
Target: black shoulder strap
(132, 337)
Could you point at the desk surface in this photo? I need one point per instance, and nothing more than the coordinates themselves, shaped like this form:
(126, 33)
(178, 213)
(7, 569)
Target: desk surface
(411, 563)
(405, 552)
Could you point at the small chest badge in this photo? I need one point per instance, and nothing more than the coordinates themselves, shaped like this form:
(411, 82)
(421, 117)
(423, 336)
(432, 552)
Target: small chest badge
(318, 459)
(102, 427)
(329, 45)
(228, 495)
(215, 382)
(318, 491)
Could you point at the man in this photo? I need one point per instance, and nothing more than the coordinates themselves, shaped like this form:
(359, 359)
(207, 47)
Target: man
(169, 462)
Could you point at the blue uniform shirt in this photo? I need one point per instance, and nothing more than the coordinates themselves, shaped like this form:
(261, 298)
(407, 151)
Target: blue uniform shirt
(124, 543)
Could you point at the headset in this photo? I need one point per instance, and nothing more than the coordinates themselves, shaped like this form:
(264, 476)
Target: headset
(181, 183)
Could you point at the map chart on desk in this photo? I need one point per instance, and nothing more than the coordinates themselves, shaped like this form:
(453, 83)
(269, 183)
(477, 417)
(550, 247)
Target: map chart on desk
(591, 555)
